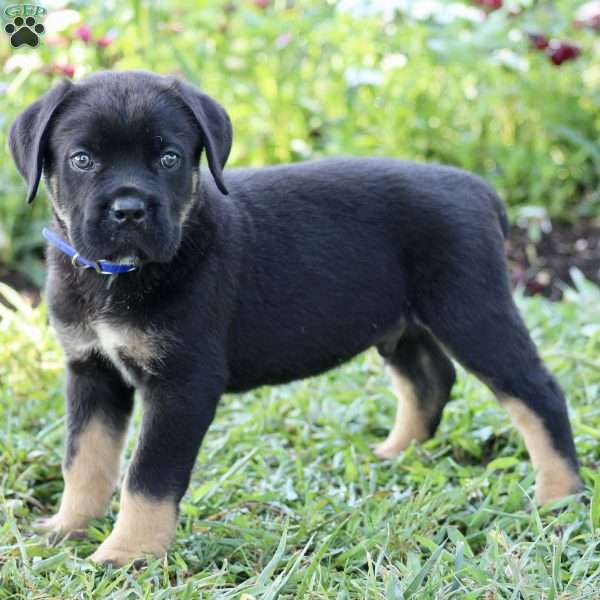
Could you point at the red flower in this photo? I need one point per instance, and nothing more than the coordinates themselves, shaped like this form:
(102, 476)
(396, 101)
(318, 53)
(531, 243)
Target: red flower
(539, 41)
(489, 4)
(534, 286)
(559, 52)
(104, 41)
(84, 33)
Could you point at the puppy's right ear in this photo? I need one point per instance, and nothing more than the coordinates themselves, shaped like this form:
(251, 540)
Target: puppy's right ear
(28, 135)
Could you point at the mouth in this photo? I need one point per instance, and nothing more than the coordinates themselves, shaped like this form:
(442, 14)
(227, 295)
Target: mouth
(131, 257)
(154, 245)
(127, 249)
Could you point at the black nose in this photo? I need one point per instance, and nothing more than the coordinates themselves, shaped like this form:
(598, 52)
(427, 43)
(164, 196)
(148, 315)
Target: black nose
(128, 210)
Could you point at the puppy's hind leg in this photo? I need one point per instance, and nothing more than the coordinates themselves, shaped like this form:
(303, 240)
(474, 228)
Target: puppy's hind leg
(422, 378)
(481, 326)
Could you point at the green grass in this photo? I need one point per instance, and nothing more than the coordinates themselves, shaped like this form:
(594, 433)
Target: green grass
(288, 501)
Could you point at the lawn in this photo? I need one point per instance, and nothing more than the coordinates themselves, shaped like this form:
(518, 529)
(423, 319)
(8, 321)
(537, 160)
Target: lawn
(288, 500)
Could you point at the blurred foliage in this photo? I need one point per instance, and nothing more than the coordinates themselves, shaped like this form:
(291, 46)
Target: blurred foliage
(429, 80)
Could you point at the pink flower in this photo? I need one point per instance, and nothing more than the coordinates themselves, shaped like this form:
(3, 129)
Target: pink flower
(283, 40)
(65, 69)
(56, 40)
(84, 33)
(588, 15)
(104, 41)
(262, 3)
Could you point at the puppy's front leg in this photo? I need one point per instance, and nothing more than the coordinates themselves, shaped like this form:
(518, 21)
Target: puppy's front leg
(99, 404)
(177, 414)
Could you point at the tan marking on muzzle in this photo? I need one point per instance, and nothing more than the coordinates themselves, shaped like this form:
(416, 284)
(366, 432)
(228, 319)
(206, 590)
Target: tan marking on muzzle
(144, 527)
(53, 185)
(89, 480)
(555, 478)
(410, 424)
(185, 213)
(59, 209)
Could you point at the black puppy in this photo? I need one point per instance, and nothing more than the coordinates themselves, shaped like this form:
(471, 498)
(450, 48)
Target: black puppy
(258, 277)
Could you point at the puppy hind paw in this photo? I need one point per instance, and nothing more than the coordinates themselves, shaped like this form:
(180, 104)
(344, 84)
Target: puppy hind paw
(387, 450)
(555, 485)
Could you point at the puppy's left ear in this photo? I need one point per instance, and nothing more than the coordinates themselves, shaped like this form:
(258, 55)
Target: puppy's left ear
(28, 136)
(215, 127)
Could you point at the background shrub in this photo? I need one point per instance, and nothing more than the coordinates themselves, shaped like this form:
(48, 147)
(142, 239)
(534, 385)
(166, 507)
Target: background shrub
(460, 83)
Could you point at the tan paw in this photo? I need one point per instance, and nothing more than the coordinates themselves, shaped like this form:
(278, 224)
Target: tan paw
(59, 526)
(119, 553)
(556, 484)
(394, 445)
(388, 450)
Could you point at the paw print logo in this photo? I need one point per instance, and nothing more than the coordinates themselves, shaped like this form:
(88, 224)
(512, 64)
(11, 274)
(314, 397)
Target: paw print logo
(24, 31)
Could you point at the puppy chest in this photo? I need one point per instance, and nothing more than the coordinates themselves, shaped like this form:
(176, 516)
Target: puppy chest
(133, 351)
(130, 349)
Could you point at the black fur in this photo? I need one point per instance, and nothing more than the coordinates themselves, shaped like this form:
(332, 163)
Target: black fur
(95, 388)
(298, 269)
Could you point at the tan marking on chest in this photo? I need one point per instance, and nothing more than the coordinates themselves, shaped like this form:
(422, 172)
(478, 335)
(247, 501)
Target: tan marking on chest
(77, 340)
(122, 344)
(119, 343)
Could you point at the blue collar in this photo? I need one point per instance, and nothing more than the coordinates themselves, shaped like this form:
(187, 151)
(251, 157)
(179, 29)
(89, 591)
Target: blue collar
(102, 267)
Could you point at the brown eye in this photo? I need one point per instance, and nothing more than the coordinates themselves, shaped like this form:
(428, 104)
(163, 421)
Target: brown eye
(169, 160)
(82, 161)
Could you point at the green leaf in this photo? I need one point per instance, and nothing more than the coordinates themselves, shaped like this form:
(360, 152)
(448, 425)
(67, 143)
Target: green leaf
(426, 570)
(502, 464)
(595, 504)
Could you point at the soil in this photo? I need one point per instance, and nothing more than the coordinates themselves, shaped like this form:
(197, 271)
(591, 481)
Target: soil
(541, 267)
(20, 282)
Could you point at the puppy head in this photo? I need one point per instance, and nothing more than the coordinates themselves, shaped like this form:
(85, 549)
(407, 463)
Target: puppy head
(119, 153)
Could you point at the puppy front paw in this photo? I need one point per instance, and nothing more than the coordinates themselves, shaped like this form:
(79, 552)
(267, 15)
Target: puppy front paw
(60, 526)
(120, 552)
(145, 526)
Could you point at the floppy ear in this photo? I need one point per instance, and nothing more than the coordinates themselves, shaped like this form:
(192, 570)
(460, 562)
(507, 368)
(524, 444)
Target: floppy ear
(29, 135)
(215, 128)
